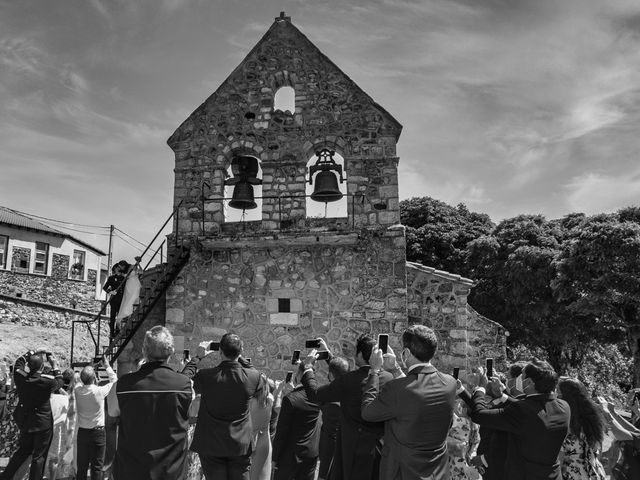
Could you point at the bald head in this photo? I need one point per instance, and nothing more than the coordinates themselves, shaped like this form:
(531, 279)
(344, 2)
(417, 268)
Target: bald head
(88, 376)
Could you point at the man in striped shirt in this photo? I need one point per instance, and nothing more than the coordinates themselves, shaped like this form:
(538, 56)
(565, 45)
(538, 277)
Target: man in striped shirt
(153, 406)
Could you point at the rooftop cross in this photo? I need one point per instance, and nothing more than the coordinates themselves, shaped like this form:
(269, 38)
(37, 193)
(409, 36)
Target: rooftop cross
(282, 17)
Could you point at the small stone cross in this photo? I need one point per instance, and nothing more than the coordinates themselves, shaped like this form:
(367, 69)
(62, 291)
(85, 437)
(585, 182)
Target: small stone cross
(284, 17)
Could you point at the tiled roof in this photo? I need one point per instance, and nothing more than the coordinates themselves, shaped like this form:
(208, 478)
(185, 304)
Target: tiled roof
(11, 217)
(441, 273)
(20, 220)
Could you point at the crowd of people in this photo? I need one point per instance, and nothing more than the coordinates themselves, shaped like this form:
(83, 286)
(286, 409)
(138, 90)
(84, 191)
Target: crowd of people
(392, 417)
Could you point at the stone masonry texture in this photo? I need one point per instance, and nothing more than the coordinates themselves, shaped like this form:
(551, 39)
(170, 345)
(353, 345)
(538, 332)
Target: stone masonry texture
(289, 277)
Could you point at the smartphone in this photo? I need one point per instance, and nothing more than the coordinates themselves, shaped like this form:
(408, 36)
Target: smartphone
(289, 377)
(322, 355)
(214, 346)
(248, 359)
(295, 357)
(315, 343)
(383, 342)
(489, 368)
(185, 354)
(456, 372)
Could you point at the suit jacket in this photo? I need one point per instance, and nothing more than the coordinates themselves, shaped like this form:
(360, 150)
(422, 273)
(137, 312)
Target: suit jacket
(34, 392)
(358, 438)
(493, 447)
(153, 405)
(224, 427)
(537, 424)
(298, 429)
(417, 411)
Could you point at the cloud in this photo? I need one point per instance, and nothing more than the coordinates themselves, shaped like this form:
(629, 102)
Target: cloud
(599, 192)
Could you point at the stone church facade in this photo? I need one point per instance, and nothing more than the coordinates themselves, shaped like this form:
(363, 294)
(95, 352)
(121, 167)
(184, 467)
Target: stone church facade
(289, 276)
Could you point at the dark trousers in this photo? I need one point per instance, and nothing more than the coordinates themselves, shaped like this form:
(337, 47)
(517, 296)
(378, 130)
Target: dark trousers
(226, 468)
(35, 444)
(291, 467)
(91, 449)
(114, 307)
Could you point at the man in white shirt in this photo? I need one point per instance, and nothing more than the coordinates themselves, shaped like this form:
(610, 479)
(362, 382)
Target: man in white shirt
(90, 413)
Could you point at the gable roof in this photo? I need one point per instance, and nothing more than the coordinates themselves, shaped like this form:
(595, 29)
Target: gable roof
(17, 219)
(282, 27)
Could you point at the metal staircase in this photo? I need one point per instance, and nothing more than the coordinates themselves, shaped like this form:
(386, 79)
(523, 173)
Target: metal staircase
(164, 273)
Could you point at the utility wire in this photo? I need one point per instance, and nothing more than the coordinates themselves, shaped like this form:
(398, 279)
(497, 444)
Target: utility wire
(129, 243)
(129, 236)
(83, 231)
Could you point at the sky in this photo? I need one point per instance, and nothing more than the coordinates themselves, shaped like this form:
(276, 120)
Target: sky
(508, 106)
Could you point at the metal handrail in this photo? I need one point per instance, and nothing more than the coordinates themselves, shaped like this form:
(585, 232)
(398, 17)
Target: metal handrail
(98, 316)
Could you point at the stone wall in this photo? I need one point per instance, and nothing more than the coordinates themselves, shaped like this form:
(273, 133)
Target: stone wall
(20, 259)
(439, 300)
(337, 287)
(56, 289)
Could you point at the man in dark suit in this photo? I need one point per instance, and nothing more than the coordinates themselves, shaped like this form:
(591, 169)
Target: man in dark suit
(358, 448)
(492, 449)
(537, 424)
(295, 446)
(153, 406)
(33, 414)
(113, 286)
(331, 414)
(417, 410)
(224, 432)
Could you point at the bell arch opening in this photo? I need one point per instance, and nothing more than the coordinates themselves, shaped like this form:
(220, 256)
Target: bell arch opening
(243, 190)
(326, 194)
(285, 100)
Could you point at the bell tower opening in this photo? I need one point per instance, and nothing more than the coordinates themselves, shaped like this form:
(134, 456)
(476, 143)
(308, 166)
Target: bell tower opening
(243, 190)
(285, 100)
(326, 187)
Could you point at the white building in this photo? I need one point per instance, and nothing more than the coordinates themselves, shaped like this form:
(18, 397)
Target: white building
(45, 257)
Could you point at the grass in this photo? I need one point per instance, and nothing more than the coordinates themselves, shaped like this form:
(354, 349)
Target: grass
(15, 339)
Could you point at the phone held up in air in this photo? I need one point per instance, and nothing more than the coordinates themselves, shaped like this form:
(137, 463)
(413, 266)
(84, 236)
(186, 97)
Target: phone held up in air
(324, 355)
(489, 368)
(456, 372)
(289, 377)
(295, 357)
(214, 346)
(383, 342)
(185, 355)
(315, 343)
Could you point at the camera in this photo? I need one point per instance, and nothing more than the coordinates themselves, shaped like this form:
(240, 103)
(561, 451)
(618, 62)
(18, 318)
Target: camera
(214, 346)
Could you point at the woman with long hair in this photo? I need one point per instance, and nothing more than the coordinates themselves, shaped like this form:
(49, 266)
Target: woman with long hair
(586, 433)
(260, 410)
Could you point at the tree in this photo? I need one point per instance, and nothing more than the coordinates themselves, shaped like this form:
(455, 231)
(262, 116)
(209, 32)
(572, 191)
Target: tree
(515, 268)
(437, 233)
(599, 277)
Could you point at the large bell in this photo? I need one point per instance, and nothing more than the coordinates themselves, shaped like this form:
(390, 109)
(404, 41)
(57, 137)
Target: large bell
(242, 197)
(326, 187)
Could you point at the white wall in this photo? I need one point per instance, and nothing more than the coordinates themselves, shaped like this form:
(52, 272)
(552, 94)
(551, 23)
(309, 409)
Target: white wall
(63, 246)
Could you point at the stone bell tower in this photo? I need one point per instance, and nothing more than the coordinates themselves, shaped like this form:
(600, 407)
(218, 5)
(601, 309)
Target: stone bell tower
(264, 263)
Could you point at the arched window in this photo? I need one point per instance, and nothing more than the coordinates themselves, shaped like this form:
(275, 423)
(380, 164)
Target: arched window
(316, 207)
(285, 100)
(243, 190)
